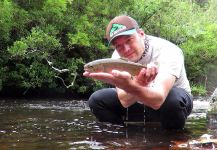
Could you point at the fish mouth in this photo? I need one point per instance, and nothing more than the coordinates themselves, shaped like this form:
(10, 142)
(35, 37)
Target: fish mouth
(85, 68)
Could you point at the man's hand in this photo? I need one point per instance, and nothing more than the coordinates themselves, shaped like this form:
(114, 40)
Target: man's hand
(120, 79)
(147, 75)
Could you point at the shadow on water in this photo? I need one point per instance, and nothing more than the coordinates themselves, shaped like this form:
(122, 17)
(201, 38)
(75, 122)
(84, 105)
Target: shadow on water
(70, 125)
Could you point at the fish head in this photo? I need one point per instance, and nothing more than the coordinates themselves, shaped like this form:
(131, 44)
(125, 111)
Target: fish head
(92, 67)
(88, 67)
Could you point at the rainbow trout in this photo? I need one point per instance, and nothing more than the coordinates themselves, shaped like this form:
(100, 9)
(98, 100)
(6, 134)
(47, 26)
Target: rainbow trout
(108, 64)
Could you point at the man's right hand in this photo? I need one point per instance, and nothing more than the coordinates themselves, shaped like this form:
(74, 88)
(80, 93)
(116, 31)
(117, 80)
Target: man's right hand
(147, 75)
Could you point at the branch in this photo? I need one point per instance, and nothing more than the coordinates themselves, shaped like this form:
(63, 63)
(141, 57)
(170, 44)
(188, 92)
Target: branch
(72, 83)
(62, 71)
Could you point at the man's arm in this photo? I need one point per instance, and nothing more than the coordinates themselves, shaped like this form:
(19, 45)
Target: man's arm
(153, 96)
(125, 98)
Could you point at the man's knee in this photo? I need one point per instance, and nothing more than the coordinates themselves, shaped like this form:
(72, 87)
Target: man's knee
(177, 100)
(95, 101)
(92, 100)
(102, 98)
(175, 109)
(173, 121)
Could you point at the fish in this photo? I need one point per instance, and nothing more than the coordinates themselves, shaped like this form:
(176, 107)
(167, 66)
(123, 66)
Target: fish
(108, 64)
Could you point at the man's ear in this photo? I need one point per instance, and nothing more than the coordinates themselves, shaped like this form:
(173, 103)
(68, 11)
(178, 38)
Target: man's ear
(141, 32)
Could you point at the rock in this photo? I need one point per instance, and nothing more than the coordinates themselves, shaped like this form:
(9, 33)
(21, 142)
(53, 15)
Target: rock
(213, 97)
(213, 101)
(200, 109)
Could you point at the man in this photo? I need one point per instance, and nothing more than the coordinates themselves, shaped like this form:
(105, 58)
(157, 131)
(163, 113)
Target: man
(159, 93)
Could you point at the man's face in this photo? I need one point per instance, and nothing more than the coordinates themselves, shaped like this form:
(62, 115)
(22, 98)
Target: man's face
(130, 46)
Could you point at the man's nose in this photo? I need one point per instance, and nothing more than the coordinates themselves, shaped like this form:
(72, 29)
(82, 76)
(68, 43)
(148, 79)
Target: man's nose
(126, 47)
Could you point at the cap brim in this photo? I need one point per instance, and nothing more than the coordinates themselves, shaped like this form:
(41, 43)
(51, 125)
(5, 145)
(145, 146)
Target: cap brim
(128, 32)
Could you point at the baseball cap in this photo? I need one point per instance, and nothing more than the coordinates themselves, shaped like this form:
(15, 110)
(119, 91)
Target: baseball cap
(120, 25)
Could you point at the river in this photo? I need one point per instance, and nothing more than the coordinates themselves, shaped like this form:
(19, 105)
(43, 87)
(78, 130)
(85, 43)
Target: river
(69, 124)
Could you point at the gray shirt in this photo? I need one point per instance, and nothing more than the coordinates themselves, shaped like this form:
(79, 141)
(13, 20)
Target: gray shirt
(169, 57)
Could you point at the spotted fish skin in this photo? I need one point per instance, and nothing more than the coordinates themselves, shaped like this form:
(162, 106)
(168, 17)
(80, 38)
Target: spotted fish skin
(109, 64)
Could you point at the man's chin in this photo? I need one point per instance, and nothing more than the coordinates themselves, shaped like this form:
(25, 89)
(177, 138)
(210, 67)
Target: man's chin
(133, 59)
(130, 58)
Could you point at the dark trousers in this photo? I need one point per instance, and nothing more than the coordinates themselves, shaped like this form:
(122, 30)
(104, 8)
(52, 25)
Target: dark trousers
(106, 106)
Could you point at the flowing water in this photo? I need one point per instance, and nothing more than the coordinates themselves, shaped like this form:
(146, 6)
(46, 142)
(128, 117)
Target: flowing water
(69, 124)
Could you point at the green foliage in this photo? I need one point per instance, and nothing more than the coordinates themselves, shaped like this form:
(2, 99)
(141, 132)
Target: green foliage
(38, 36)
(177, 24)
(19, 48)
(29, 4)
(35, 75)
(172, 22)
(199, 90)
(2, 74)
(201, 51)
(6, 14)
(37, 41)
(54, 10)
(32, 51)
(79, 38)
